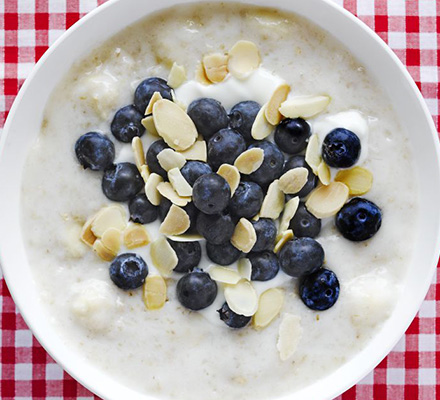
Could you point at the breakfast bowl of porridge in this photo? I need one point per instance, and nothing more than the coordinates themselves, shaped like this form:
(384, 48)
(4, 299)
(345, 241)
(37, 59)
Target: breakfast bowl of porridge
(219, 200)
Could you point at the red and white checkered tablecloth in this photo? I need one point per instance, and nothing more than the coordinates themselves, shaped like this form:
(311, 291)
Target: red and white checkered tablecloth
(411, 28)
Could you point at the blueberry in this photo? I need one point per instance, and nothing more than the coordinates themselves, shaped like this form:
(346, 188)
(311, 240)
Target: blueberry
(224, 147)
(304, 224)
(164, 207)
(95, 151)
(196, 290)
(141, 210)
(122, 181)
(247, 199)
(312, 179)
(232, 319)
(208, 115)
(128, 271)
(266, 231)
(188, 254)
(242, 117)
(359, 219)
(291, 135)
(126, 124)
(151, 158)
(195, 169)
(146, 89)
(211, 194)
(265, 265)
(320, 290)
(301, 256)
(217, 228)
(222, 254)
(190, 209)
(341, 148)
(272, 166)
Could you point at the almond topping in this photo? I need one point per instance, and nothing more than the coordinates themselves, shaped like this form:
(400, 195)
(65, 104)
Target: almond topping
(148, 123)
(280, 94)
(282, 239)
(111, 239)
(167, 191)
(196, 152)
(136, 236)
(304, 106)
(154, 292)
(87, 236)
(324, 174)
(273, 202)
(244, 268)
(176, 222)
(313, 153)
(326, 201)
(163, 256)
(109, 217)
(176, 76)
(242, 298)
(244, 236)
(138, 150)
(224, 275)
(244, 58)
(103, 252)
(169, 159)
(155, 98)
(151, 191)
(289, 335)
(294, 180)
(269, 306)
(188, 237)
(201, 76)
(174, 125)
(179, 183)
(231, 175)
(288, 214)
(145, 172)
(216, 67)
(261, 129)
(359, 180)
(249, 161)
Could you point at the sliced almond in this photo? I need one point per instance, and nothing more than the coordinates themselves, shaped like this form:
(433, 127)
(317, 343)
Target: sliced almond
(102, 251)
(304, 106)
(187, 237)
(111, 239)
(154, 292)
(326, 201)
(261, 128)
(280, 94)
(288, 213)
(216, 67)
(242, 298)
(148, 123)
(109, 217)
(244, 58)
(174, 125)
(282, 239)
(224, 275)
(145, 172)
(294, 180)
(273, 202)
(196, 152)
(136, 235)
(151, 191)
(313, 153)
(324, 174)
(155, 98)
(289, 335)
(163, 256)
(176, 221)
(249, 161)
(244, 236)
(231, 175)
(244, 268)
(87, 236)
(176, 76)
(179, 183)
(201, 76)
(167, 191)
(169, 159)
(269, 306)
(138, 150)
(359, 180)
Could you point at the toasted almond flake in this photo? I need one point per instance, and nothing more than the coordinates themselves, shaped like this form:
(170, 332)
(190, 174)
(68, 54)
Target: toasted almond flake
(103, 252)
(282, 239)
(187, 237)
(359, 180)
(87, 235)
(145, 172)
(201, 76)
(288, 213)
(216, 67)
(155, 98)
(280, 94)
(163, 256)
(174, 125)
(304, 106)
(231, 175)
(324, 174)
(154, 292)
(242, 298)
(167, 191)
(136, 235)
(244, 268)
(244, 58)
(289, 335)
(176, 76)
(111, 239)
(249, 161)
(138, 150)
(224, 275)
(148, 123)
(169, 159)
(109, 217)
(313, 153)
(326, 201)
(273, 202)
(244, 236)
(176, 222)
(179, 183)
(294, 180)
(196, 152)
(261, 129)
(151, 191)
(269, 306)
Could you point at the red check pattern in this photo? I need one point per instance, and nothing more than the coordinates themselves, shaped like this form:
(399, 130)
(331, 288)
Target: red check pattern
(411, 28)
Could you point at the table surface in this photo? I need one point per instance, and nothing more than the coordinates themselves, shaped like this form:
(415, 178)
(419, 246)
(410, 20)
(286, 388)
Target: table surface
(411, 28)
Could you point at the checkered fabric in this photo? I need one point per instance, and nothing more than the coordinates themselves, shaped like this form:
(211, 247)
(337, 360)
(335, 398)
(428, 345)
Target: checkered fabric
(411, 28)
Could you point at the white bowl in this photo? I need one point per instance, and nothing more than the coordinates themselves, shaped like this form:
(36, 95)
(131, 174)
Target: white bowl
(24, 121)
